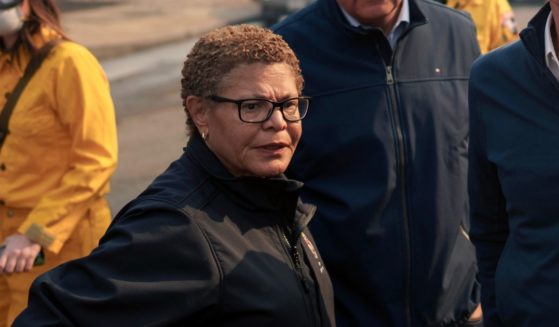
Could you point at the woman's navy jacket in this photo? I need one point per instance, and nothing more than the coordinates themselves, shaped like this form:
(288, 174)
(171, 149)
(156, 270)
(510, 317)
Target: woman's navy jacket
(197, 248)
(514, 181)
(384, 157)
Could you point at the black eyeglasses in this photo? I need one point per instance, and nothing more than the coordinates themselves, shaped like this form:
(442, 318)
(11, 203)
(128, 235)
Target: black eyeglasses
(260, 110)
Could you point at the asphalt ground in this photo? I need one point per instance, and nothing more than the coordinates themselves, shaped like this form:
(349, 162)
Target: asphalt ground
(111, 28)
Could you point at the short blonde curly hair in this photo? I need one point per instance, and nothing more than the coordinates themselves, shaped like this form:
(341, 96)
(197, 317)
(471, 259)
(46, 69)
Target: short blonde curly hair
(218, 52)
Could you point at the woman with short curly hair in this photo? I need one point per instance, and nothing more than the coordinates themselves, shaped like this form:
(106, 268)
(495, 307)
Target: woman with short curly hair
(220, 238)
(218, 52)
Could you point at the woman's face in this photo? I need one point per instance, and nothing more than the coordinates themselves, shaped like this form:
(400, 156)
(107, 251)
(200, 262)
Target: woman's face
(253, 149)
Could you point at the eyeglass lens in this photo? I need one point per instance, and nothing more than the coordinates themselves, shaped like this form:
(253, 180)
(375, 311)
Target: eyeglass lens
(260, 110)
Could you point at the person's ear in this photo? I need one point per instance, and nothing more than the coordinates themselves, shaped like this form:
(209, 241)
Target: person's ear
(197, 110)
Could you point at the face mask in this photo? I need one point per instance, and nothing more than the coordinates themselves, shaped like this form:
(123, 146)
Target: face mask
(11, 20)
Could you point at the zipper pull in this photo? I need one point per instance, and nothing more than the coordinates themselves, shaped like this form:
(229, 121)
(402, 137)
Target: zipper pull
(299, 268)
(389, 75)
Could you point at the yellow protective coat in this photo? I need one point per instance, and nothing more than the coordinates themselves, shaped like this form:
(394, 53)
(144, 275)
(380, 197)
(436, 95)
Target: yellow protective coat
(494, 21)
(56, 161)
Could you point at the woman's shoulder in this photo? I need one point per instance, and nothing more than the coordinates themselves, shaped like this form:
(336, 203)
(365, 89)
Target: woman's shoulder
(182, 184)
(69, 54)
(167, 224)
(66, 49)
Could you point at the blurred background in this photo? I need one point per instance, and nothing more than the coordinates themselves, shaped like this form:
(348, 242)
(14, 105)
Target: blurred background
(142, 44)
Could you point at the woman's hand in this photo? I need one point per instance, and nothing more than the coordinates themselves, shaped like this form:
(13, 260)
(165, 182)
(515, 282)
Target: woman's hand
(18, 255)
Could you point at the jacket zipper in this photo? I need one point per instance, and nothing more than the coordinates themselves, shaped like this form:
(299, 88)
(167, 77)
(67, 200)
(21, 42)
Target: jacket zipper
(401, 160)
(296, 260)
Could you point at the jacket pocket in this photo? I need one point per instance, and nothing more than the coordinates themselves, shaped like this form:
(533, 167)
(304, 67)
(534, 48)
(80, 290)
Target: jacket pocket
(460, 286)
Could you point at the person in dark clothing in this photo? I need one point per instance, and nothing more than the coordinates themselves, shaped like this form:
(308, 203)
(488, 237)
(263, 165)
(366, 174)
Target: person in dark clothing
(514, 111)
(220, 238)
(385, 157)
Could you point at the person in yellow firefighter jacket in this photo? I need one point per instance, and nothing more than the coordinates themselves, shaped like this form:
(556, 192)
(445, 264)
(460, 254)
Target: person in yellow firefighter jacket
(494, 20)
(59, 154)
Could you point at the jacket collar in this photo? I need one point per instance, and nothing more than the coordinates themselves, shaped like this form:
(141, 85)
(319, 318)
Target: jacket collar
(254, 193)
(331, 9)
(403, 17)
(533, 36)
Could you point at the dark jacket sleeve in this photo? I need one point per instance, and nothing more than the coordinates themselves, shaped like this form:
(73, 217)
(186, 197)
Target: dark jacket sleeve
(152, 268)
(489, 226)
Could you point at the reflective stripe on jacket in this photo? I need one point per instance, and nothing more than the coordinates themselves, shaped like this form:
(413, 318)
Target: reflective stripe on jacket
(62, 148)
